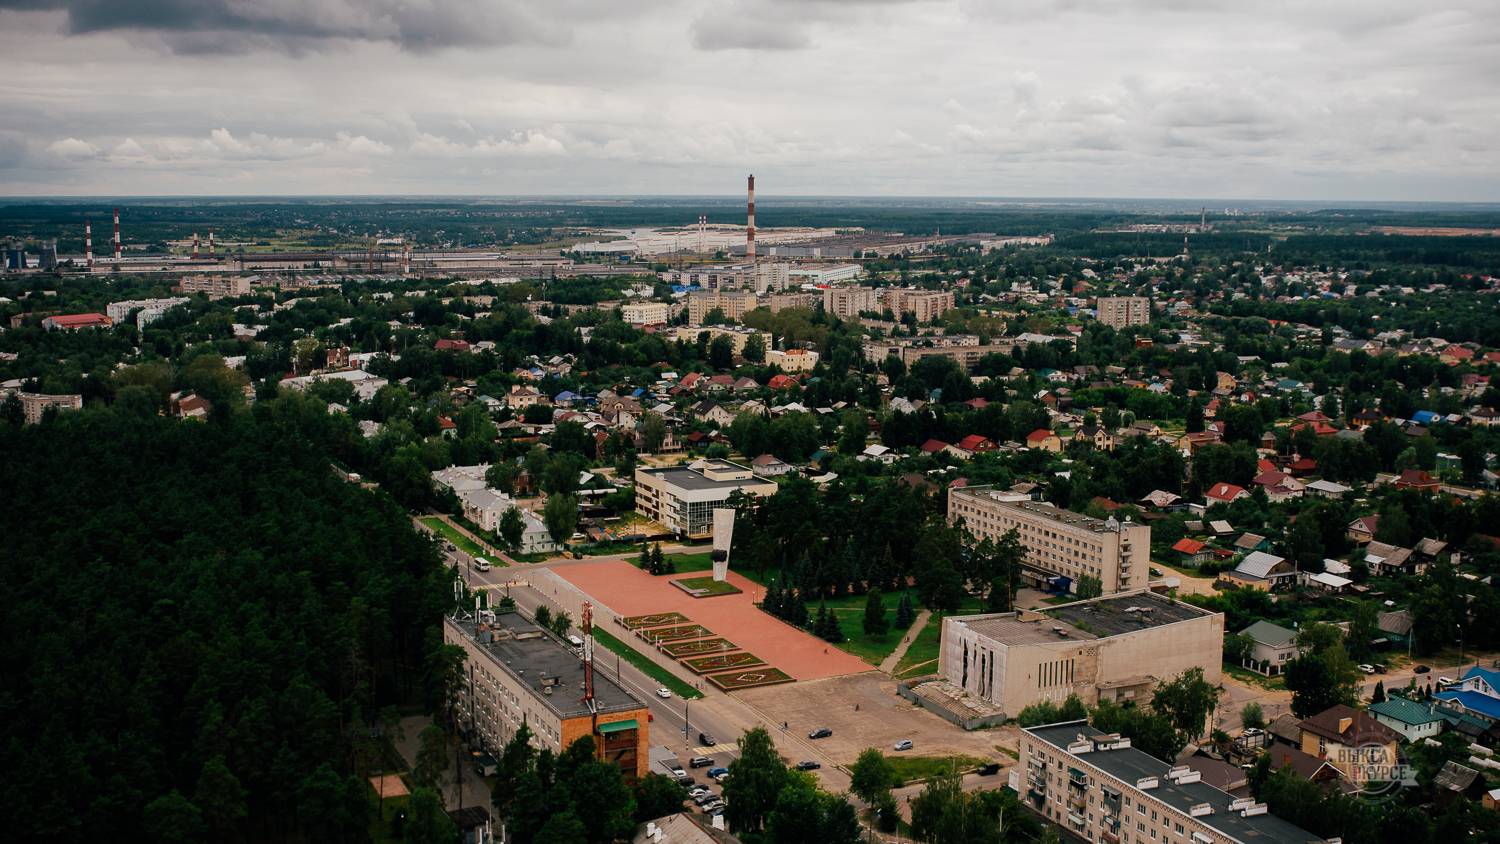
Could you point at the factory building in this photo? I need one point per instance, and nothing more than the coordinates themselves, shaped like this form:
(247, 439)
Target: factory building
(1061, 546)
(1116, 648)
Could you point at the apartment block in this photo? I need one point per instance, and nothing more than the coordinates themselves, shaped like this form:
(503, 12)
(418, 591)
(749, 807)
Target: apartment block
(734, 303)
(146, 311)
(34, 405)
(737, 334)
(646, 313)
(784, 301)
(850, 302)
(682, 498)
(1124, 311)
(1115, 648)
(515, 673)
(1061, 546)
(963, 349)
(215, 286)
(1101, 789)
(925, 305)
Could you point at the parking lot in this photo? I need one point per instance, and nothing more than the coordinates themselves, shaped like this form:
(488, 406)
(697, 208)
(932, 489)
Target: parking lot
(680, 766)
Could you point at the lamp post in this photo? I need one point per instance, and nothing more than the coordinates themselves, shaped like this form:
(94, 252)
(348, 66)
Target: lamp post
(685, 706)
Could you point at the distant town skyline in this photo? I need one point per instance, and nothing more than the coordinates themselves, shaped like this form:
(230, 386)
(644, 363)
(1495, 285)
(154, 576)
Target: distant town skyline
(1150, 99)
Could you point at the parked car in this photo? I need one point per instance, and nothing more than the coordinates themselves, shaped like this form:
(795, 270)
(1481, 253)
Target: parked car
(663, 692)
(821, 732)
(705, 798)
(808, 765)
(1367, 668)
(1252, 731)
(698, 791)
(989, 770)
(715, 773)
(721, 777)
(1379, 668)
(713, 806)
(700, 762)
(1420, 669)
(706, 740)
(904, 744)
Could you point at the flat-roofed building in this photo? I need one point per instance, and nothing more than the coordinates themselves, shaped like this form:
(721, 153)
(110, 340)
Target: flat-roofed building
(737, 334)
(215, 286)
(682, 498)
(34, 405)
(1115, 648)
(515, 673)
(925, 305)
(963, 349)
(1059, 543)
(1101, 789)
(821, 274)
(784, 301)
(850, 302)
(733, 303)
(646, 313)
(1124, 311)
(366, 384)
(146, 311)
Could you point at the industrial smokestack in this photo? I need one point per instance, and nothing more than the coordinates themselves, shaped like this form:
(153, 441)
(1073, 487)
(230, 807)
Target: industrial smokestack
(406, 259)
(88, 243)
(195, 246)
(750, 224)
(117, 235)
(210, 243)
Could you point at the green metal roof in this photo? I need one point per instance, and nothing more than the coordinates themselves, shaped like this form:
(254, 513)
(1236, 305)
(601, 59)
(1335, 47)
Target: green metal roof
(619, 726)
(1405, 711)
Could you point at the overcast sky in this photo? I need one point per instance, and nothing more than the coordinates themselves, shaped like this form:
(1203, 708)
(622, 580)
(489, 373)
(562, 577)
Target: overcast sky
(1276, 99)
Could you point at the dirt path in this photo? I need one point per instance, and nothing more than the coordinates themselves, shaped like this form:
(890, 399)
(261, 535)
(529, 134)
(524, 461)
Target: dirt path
(888, 665)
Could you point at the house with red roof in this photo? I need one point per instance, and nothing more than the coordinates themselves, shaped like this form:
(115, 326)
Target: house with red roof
(1194, 551)
(446, 345)
(1225, 493)
(1044, 439)
(1455, 354)
(76, 322)
(782, 382)
(976, 444)
(1419, 480)
(1362, 529)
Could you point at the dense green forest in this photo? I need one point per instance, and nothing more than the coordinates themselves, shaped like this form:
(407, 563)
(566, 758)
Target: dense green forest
(203, 624)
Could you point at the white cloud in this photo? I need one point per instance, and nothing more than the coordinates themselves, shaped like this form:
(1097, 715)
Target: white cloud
(72, 148)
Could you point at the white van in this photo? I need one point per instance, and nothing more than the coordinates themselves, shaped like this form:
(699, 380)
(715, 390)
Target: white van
(481, 564)
(576, 642)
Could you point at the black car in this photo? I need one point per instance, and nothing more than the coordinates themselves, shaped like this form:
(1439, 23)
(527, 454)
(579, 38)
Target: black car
(989, 770)
(821, 732)
(1420, 669)
(808, 765)
(706, 740)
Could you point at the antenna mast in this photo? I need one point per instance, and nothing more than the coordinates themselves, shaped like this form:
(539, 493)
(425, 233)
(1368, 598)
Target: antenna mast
(588, 666)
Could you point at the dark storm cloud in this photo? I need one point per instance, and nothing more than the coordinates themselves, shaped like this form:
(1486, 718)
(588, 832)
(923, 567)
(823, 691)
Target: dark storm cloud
(199, 26)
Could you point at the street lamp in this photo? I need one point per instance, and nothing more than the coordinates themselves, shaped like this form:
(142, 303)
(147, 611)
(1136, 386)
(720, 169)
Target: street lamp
(685, 704)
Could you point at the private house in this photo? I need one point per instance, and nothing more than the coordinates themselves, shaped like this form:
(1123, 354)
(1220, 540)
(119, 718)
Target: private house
(1386, 559)
(1349, 740)
(1225, 493)
(1418, 480)
(1362, 529)
(1412, 720)
(1327, 489)
(1044, 439)
(769, 466)
(1193, 551)
(1477, 694)
(976, 444)
(1273, 646)
(1260, 570)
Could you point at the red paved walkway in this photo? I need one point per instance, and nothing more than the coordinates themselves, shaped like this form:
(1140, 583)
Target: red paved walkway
(627, 591)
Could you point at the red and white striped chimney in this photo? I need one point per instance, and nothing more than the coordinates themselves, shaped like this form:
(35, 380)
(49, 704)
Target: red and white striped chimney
(88, 243)
(210, 243)
(750, 224)
(195, 246)
(117, 235)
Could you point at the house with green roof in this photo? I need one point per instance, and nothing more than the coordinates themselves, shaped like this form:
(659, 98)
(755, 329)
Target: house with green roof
(1409, 718)
(1272, 647)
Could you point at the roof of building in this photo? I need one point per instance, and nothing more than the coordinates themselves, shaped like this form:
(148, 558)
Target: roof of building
(1304, 765)
(1349, 726)
(1188, 545)
(1473, 702)
(1258, 564)
(1270, 635)
(1396, 622)
(1455, 777)
(1131, 764)
(522, 649)
(1225, 492)
(1408, 712)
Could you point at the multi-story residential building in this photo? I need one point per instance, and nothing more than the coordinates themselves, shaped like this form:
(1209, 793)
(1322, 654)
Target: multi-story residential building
(850, 302)
(737, 334)
(1115, 648)
(1102, 789)
(1061, 546)
(1124, 311)
(515, 673)
(146, 311)
(783, 301)
(34, 405)
(733, 303)
(792, 360)
(682, 498)
(646, 313)
(925, 305)
(215, 286)
(963, 349)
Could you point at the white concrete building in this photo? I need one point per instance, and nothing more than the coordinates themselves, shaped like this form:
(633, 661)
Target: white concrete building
(146, 311)
(646, 313)
(682, 498)
(792, 360)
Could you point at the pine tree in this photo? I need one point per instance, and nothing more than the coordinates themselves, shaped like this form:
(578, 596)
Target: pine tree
(875, 621)
(798, 614)
(644, 561)
(667, 566)
(772, 602)
(905, 613)
(1379, 695)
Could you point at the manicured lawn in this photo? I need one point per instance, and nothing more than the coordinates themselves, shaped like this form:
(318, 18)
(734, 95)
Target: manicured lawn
(461, 542)
(685, 563)
(709, 586)
(909, 768)
(644, 663)
(871, 649)
(919, 659)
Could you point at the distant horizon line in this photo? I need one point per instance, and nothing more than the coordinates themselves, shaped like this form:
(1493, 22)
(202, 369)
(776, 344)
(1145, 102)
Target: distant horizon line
(1209, 202)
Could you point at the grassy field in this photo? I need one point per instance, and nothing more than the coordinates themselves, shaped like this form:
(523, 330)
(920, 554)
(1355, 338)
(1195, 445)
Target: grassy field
(691, 562)
(921, 657)
(910, 768)
(644, 663)
(461, 542)
(709, 585)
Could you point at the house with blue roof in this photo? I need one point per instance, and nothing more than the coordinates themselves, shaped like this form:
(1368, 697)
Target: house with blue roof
(1425, 417)
(1478, 694)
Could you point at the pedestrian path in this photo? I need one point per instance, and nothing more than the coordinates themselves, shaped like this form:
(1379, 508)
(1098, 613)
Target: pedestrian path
(890, 662)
